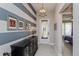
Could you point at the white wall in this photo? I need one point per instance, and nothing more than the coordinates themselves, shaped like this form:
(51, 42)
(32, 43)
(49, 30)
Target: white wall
(51, 28)
(58, 32)
(76, 29)
(3, 26)
(51, 33)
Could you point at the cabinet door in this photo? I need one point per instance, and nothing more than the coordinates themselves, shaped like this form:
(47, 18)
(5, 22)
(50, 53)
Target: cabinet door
(26, 51)
(31, 49)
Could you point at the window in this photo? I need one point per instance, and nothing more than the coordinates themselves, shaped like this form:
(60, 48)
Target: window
(67, 28)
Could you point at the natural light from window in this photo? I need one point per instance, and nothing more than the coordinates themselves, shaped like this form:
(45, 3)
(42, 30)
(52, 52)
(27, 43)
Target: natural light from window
(67, 29)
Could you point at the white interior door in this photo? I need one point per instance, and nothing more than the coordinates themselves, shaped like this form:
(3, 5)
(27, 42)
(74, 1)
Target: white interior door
(44, 31)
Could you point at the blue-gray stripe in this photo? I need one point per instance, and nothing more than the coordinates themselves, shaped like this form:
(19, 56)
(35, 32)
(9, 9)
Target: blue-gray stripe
(30, 5)
(4, 14)
(11, 36)
(22, 7)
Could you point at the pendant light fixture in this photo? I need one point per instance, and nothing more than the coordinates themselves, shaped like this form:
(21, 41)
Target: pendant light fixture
(42, 11)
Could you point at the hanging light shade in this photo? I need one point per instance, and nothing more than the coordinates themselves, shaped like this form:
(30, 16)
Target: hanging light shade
(42, 11)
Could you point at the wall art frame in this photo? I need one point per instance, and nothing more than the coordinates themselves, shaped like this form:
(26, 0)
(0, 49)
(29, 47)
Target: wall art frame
(20, 24)
(12, 23)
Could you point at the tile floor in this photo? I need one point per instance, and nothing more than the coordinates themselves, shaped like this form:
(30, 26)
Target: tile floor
(67, 50)
(48, 50)
(45, 50)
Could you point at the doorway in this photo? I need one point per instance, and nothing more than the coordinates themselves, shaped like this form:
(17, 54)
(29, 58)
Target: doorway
(44, 31)
(67, 30)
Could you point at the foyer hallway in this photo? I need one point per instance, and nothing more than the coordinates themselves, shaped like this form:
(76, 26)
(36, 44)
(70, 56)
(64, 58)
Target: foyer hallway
(33, 33)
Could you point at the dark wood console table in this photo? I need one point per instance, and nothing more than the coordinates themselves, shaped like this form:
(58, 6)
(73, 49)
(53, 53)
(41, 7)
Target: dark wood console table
(27, 47)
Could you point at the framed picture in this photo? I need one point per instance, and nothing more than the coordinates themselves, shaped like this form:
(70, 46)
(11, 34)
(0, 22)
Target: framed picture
(29, 26)
(12, 23)
(55, 26)
(26, 26)
(21, 25)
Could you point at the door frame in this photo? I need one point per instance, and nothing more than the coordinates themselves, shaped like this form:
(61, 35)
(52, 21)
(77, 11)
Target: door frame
(44, 41)
(62, 13)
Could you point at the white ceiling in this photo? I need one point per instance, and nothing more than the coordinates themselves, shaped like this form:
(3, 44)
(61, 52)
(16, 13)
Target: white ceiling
(47, 6)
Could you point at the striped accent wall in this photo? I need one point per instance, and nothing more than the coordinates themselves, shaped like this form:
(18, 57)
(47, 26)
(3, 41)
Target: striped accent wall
(30, 5)
(18, 11)
(24, 9)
